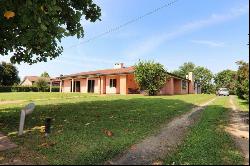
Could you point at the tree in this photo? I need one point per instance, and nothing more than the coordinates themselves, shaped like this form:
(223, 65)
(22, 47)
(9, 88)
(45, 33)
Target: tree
(185, 69)
(45, 74)
(226, 79)
(1, 74)
(32, 30)
(150, 76)
(204, 76)
(8, 74)
(42, 84)
(243, 80)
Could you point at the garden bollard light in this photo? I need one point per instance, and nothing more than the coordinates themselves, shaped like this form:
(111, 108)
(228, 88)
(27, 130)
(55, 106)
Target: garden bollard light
(25, 111)
(47, 126)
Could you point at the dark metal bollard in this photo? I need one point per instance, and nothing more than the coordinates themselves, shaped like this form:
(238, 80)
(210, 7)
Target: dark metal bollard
(47, 126)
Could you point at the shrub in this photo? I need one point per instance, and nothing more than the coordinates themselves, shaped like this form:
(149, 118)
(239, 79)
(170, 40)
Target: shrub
(5, 88)
(243, 80)
(42, 84)
(27, 89)
(150, 76)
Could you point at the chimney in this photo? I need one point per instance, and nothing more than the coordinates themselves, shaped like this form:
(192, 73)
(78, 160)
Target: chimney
(119, 65)
(190, 76)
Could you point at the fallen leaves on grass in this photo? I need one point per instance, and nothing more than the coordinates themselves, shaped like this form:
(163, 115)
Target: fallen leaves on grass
(158, 162)
(133, 148)
(9, 14)
(98, 115)
(42, 129)
(59, 131)
(108, 132)
(87, 124)
(126, 130)
(47, 145)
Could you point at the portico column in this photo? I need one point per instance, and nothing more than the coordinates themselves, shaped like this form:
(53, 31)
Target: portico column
(50, 86)
(87, 83)
(72, 86)
(60, 85)
(123, 85)
(172, 87)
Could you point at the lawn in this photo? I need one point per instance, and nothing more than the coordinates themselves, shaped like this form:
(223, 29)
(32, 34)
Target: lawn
(37, 96)
(243, 105)
(207, 142)
(80, 124)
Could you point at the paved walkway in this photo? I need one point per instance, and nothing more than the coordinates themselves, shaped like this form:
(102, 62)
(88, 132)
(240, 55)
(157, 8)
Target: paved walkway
(157, 147)
(5, 143)
(239, 129)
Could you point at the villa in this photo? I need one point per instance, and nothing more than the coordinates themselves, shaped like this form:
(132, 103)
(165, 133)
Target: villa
(121, 80)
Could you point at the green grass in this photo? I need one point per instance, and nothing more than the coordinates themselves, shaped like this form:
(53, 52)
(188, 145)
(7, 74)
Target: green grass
(243, 105)
(37, 96)
(207, 142)
(78, 123)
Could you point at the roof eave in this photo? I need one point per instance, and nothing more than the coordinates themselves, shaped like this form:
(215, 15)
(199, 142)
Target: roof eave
(92, 75)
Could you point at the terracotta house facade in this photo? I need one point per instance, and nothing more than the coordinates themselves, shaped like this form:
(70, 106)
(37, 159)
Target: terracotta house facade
(120, 80)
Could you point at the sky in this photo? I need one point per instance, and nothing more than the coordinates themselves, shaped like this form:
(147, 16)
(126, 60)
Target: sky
(209, 33)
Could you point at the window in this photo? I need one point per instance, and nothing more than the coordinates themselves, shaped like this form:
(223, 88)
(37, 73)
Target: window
(112, 83)
(184, 84)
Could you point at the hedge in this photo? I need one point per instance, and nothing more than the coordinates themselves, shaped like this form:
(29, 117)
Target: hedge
(27, 89)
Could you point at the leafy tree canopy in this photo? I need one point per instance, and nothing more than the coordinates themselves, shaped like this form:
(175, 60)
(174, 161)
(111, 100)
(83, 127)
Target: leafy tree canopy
(243, 80)
(204, 76)
(201, 74)
(32, 29)
(45, 74)
(41, 84)
(185, 69)
(8, 74)
(226, 79)
(150, 76)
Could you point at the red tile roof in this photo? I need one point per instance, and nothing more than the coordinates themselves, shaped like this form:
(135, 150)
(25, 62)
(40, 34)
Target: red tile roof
(125, 70)
(34, 78)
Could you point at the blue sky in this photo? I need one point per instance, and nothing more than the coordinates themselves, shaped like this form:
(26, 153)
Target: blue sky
(210, 33)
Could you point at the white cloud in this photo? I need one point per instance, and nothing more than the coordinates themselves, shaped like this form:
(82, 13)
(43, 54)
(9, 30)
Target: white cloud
(149, 44)
(209, 43)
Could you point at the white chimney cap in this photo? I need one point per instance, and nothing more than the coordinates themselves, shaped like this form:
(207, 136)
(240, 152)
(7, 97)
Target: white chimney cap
(119, 65)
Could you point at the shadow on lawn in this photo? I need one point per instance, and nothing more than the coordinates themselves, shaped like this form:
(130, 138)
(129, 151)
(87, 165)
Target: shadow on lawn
(9, 117)
(77, 132)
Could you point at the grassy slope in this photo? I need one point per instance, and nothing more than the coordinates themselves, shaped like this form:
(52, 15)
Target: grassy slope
(78, 124)
(208, 143)
(37, 96)
(242, 104)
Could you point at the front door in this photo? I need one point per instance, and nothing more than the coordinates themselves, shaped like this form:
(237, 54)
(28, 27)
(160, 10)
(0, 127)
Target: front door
(91, 86)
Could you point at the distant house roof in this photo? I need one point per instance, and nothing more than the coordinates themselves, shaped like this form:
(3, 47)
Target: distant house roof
(125, 70)
(34, 78)
(55, 79)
